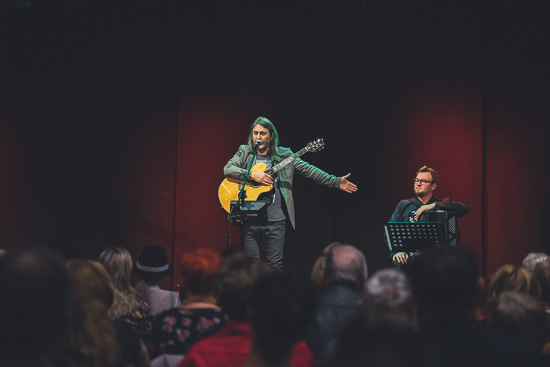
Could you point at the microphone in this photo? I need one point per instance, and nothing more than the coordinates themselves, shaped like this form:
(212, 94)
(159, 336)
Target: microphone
(257, 143)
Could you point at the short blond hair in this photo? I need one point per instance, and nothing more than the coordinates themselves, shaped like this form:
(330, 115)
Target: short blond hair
(435, 175)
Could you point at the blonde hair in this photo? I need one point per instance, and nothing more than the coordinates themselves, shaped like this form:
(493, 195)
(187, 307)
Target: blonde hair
(435, 175)
(516, 279)
(91, 339)
(118, 263)
(319, 266)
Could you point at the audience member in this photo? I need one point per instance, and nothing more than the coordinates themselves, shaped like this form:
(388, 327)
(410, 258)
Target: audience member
(176, 329)
(542, 273)
(378, 336)
(92, 338)
(343, 280)
(532, 259)
(383, 321)
(445, 281)
(34, 293)
(319, 265)
(519, 314)
(127, 305)
(283, 305)
(231, 345)
(514, 278)
(390, 289)
(152, 266)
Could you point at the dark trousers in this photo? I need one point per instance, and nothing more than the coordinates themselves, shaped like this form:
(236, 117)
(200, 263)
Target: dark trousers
(271, 237)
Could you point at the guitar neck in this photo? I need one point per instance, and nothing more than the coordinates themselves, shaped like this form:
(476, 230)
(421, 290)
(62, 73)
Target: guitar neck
(286, 161)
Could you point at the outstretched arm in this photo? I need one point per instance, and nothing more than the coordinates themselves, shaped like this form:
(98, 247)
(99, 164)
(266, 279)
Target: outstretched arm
(346, 185)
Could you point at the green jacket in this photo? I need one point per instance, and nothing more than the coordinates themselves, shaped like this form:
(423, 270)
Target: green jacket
(237, 166)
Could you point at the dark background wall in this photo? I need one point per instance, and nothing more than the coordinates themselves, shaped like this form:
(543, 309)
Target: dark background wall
(116, 119)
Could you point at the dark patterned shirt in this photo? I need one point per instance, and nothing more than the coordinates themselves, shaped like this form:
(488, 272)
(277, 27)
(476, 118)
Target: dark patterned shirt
(176, 329)
(141, 320)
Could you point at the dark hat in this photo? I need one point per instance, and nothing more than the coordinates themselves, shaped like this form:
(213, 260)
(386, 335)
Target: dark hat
(153, 262)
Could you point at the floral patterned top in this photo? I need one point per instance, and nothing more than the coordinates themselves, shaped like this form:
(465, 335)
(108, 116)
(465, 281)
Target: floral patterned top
(176, 329)
(141, 320)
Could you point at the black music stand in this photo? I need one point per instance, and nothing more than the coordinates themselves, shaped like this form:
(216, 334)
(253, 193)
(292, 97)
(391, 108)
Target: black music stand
(248, 213)
(245, 213)
(414, 236)
(239, 210)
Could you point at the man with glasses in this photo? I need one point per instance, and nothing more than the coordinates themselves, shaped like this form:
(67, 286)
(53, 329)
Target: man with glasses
(412, 210)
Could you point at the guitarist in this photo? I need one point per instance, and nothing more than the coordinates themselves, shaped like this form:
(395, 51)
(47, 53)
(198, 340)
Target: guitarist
(281, 203)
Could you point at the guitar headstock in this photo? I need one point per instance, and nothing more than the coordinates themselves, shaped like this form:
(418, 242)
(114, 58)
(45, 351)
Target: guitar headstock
(315, 145)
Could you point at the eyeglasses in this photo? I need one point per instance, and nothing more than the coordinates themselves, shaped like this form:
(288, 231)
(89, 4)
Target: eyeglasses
(423, 182)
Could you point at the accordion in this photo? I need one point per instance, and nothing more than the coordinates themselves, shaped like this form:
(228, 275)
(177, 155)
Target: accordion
(449, 223)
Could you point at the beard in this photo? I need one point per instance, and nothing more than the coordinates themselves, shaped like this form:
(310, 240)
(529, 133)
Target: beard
(265, 146)
(419, 194)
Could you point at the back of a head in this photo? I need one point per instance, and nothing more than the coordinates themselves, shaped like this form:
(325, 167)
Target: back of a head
(371, 334)
(345, 264)
(283, 307)
(532, 259)
(445, 282)
(152, 265)
(514, 278)
(91, 281)
(319, 265)
(330, 247)
(542, 273)
(91, 338)
(118, 263)
(234, 283)
(198, 269)
(519, 314)
(378, 337)
(34, 289)
(390, 289)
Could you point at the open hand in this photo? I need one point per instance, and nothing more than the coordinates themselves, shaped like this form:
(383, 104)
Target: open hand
(347, 186)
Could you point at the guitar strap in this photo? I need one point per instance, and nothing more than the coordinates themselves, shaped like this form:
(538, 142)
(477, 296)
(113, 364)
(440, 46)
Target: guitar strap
(268, 161)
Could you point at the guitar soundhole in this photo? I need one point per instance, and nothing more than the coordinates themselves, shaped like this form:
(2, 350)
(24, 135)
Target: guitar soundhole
(254, 184)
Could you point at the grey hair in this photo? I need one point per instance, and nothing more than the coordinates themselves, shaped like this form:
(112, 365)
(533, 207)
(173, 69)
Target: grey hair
(347, 265)
(390, 288)
(533, 259)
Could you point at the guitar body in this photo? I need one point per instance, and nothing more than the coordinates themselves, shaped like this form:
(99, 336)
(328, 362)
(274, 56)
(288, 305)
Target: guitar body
(229, 189)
